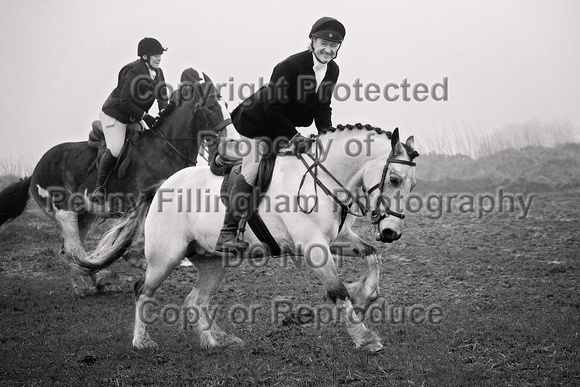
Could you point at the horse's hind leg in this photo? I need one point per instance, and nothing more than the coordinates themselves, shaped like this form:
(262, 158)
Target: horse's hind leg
(75, 227)
(105, 280)
(162, 259)
(73, 246)
(210, 272)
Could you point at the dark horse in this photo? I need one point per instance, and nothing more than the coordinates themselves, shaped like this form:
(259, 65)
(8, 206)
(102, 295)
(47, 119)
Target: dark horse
(64, 177)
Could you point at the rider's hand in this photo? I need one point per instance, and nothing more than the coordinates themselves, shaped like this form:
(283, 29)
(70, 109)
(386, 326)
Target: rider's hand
(301, 143)
(219, 161)
(149, 120)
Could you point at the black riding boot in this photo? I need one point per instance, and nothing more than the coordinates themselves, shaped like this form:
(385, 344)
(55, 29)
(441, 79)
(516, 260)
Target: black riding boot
(106, 164)
(239, 203)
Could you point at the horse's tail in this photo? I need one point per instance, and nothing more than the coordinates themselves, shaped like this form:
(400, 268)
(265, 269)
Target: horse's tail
(118, 239)
(13, 200)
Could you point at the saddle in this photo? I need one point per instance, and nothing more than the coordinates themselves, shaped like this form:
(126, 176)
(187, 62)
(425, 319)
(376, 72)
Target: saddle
(230, 170)
(97, 140)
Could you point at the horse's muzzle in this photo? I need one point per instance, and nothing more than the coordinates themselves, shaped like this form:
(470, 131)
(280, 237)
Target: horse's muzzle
(387, 236)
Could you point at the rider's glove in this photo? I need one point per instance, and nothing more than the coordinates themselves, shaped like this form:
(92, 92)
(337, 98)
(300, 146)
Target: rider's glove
(149, 120)
(301, 143)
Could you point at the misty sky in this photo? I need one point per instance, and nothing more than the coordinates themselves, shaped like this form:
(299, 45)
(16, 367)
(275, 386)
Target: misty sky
(504, 61)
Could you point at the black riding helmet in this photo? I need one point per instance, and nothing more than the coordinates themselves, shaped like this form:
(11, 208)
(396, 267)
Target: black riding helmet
(150, 46)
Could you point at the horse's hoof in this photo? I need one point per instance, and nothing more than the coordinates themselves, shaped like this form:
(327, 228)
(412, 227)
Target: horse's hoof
(145, 343)
(84, 291)
(110, 288)
(219, 340)
(373, 347)
(233, 341)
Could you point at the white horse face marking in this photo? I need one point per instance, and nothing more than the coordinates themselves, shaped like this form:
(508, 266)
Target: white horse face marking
(42, 192)
(229, 132)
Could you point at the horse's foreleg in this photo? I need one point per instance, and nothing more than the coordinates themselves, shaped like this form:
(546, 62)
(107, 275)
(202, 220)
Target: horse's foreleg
(366, 290)
(211, 272)
(363, 337)
(321, 262)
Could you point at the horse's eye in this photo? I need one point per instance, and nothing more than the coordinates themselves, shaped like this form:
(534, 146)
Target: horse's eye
(395, 181)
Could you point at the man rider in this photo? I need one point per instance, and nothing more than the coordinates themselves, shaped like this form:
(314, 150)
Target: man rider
(299, 93)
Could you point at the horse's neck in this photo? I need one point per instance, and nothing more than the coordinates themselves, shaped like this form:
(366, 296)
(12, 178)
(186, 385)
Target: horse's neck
(179, 123)
(173, 141)
(346, 153)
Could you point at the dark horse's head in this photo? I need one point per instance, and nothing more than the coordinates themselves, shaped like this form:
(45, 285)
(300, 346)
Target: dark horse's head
(196, 112)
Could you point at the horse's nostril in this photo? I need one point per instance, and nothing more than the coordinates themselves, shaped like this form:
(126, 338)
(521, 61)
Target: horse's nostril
(388, 235)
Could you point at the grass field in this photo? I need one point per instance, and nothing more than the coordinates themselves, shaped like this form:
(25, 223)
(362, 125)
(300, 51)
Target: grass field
(508, 287)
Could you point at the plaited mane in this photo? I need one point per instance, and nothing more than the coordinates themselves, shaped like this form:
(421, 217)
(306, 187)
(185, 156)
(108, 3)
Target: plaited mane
(358, 126)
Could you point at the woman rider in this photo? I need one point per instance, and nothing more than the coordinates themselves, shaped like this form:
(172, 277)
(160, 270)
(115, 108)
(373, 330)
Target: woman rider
(140, 83)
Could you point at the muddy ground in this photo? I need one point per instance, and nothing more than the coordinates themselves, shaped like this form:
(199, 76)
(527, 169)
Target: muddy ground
(506, 285)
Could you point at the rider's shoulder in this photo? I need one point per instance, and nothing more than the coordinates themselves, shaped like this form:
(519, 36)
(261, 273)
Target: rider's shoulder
(134, 68)
(297, 59)
(291, 65)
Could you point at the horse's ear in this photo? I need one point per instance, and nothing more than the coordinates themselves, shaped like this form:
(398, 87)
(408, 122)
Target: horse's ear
(198, 87)
(192, 76)
(395, 138)
(410, 142)
(395, 143)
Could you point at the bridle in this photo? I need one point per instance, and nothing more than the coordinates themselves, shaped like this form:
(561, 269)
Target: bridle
(376, 215)
(202, 102)
(199, 104)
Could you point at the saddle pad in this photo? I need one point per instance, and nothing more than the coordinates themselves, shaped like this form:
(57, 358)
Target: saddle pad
(265, 172)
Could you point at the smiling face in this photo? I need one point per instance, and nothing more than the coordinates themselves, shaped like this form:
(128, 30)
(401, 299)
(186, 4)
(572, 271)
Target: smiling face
(325, 50)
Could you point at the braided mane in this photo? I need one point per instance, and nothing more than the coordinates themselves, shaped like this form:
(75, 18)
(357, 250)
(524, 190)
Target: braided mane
(358, 126)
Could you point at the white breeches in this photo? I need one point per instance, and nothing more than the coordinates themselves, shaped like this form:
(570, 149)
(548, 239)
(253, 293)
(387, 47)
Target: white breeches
(114, 133)
(251, 160)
